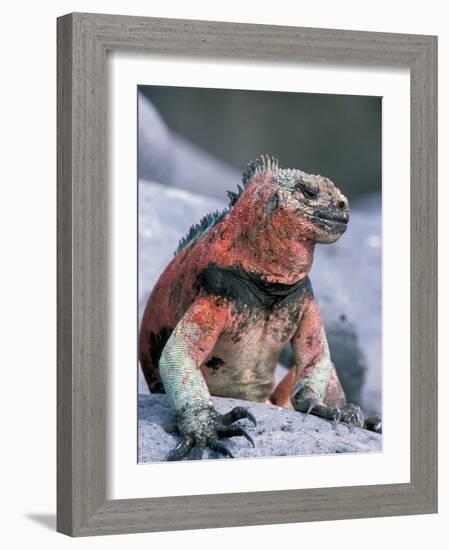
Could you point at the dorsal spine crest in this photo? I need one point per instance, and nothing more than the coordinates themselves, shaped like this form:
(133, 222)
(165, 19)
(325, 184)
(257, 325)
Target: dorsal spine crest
(197, 230)
(263, 163)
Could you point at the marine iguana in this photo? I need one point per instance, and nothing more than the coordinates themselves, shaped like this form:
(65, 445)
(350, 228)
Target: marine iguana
(236, 292)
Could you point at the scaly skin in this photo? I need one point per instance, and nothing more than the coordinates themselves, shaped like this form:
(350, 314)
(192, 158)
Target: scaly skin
(231, 299)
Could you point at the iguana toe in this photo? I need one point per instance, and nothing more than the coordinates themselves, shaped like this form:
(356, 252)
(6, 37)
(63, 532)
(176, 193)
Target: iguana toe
(312, 403)
(231, 431)
(219, 447)
(374, 423)
(204, 429)
(337, 418)
(352, 414)
(182, 449)
(304, 399)
(237, 413)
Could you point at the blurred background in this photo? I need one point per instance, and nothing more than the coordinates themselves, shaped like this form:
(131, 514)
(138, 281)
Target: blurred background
(193, 144)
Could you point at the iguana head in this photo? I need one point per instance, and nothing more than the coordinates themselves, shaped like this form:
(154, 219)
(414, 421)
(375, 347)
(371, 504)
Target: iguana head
(290, 205)
(277, 212)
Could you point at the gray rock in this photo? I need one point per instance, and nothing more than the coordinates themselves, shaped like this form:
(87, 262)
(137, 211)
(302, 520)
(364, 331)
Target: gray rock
(279, 432)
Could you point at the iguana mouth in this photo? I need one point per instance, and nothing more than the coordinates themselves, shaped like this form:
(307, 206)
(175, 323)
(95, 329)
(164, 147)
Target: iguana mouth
(335, 222)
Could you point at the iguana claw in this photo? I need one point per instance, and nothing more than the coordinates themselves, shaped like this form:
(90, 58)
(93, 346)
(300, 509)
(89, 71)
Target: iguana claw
(215, 445)
(374, 423)
(237, 413)
(352, 414)
(306, 400)
(182, 449)
(337, 418)
(312, 404)
(230, 431)
(205, 427)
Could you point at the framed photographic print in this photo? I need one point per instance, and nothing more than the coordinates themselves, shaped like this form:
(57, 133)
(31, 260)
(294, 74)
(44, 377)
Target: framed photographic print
(246, 274)
(266, 282)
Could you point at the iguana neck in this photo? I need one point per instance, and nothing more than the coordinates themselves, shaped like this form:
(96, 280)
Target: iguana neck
(284, 262)
(280, 264)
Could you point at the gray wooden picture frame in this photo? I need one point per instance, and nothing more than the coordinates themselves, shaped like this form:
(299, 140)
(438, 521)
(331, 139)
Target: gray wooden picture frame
(83, 41)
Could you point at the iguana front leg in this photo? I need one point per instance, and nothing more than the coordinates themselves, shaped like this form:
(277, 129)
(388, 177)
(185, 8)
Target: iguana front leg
(315, 373)
(187, 348)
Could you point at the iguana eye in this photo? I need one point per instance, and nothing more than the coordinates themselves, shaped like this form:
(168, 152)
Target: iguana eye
(307, 191)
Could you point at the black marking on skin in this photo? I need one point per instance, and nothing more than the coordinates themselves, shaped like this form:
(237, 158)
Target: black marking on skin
(236, 338)
(291, 316)
(151, 375)
(150, 365)
(286, 333)
(158, 387)
(249, 290)
(245, 322)
(157, 343)
(214, 363)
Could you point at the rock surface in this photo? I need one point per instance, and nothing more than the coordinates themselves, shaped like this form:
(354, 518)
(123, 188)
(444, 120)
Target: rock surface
(279, 432)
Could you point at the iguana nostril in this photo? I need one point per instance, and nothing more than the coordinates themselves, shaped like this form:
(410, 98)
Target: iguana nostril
(341, 204)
